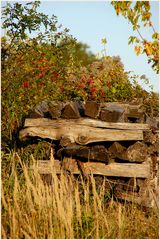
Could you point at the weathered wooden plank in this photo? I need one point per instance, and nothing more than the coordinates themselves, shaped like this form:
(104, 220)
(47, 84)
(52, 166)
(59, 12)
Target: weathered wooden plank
(81, 135)
(97, 168)
(84, 121)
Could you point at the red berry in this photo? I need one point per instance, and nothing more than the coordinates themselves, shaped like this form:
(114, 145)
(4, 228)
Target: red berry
(25, 84)
(90, 80)
(55, 74)
(109, 84)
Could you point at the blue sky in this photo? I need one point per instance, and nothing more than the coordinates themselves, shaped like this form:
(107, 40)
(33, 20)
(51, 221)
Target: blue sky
(90, 21)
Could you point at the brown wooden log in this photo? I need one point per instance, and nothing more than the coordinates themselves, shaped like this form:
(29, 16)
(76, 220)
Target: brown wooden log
(47, 109)
(134, 109)
(40, 110)
(67, 164)
(134, 153)
(134, 198)
(137, 152)
(55, 109)
(153, 122)
(110, 104)
(150, 138)
(153, 149)
(135, 118)
(155, 165)
(116, 148)
(51, 108)
(113, 113)
(97, 153)
(67, 140)
(35, 115)
(97, 168)
(92, 109)
(128, 107)
(134, 114)
(84, 122)
(146, 196)
(81, 135)
(70, 111)
(81, 108)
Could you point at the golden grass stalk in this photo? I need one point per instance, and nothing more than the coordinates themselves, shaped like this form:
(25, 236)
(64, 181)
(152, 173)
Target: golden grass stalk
(69, 207)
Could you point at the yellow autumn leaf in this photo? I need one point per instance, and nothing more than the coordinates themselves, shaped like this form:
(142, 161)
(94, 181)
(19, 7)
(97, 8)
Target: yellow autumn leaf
(148, 49)
(118, 11)
(138, 50)
(156, 58)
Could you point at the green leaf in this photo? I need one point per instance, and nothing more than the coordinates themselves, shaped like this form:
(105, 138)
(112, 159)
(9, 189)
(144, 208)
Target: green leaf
(155, 36)
(104, 41)
(132, 39)
(113, 90)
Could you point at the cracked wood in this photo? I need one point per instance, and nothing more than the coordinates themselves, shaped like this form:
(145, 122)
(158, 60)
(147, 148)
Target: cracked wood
(81, 135)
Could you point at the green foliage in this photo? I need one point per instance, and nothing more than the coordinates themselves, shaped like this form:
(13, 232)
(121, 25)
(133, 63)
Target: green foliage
(21, 20)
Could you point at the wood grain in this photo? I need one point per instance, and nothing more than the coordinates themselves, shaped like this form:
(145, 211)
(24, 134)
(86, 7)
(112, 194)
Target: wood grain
(81, 135)
(112, 169)
(30, 122)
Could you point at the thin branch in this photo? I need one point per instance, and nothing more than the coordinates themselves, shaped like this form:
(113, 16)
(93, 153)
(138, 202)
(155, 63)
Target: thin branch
(153, 28)
(140, 34)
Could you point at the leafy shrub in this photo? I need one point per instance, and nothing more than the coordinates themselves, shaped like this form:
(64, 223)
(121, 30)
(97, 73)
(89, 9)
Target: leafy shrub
(54, 66)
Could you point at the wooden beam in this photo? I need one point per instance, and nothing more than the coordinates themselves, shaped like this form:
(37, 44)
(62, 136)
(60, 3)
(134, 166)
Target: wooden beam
(81, 135)
(97, 168)
(30, 122)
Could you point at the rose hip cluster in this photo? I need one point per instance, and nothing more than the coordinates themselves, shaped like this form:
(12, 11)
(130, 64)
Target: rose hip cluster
(88, 85)
(84, 84)
(43, 70)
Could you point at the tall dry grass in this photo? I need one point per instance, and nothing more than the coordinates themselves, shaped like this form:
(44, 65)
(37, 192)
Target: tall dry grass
(68, 207)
